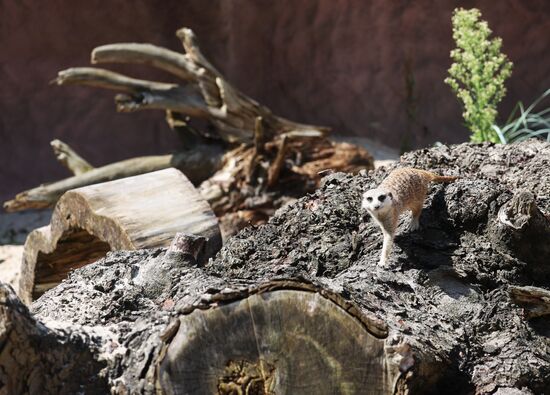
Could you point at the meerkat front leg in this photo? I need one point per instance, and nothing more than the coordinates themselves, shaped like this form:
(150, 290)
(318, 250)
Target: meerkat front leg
(388, 231)
(386, 248)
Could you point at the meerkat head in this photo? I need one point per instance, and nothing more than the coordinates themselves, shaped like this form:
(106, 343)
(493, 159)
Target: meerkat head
(377, 201)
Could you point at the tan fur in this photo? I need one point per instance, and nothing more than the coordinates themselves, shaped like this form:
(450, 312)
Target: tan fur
(404, 189)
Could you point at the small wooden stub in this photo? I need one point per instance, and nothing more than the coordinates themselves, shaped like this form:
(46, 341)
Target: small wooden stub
(138, 212)
(276, 342)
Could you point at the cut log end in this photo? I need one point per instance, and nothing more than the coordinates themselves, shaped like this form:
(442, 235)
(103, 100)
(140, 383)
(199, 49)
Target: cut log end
(277, 342)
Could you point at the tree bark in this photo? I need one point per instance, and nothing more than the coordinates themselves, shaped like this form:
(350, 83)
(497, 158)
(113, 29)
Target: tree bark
(190, 332)
(37, 359)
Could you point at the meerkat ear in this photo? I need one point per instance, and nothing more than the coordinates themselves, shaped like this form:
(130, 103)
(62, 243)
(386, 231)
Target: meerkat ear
(390, 195)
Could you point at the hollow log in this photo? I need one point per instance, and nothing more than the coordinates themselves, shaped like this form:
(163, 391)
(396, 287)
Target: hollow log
(132, 213)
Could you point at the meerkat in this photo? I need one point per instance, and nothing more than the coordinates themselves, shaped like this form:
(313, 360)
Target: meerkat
(403, 189)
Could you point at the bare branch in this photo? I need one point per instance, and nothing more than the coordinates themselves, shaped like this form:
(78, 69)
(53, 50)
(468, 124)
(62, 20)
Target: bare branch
(69, 158)
(197, 164)
(140, 94)
(161, 58)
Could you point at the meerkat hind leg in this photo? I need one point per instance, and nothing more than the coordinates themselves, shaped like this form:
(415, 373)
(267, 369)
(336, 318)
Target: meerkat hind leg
(415, 220)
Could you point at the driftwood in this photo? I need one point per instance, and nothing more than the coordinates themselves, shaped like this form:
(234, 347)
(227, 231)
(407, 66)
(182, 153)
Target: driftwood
(197, 165)
(69, 158)
(300, 305)
(248, 160)
(132, 213)
(204, 94)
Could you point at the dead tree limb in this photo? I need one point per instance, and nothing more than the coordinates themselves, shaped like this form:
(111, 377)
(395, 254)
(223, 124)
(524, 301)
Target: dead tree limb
(269, 160)
(205, 93)
(69, 158)
(197, 164)
(139, 94)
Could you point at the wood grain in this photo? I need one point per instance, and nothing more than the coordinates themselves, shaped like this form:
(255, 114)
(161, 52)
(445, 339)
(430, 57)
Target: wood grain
(276, 342)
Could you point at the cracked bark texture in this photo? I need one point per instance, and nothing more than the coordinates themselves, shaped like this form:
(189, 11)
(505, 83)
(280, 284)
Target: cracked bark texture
(451, 310)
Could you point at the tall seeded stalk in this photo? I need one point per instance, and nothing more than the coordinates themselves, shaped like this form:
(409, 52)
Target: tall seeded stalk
(478, 73)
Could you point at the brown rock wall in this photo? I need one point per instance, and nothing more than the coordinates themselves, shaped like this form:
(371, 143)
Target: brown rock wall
(367, 68)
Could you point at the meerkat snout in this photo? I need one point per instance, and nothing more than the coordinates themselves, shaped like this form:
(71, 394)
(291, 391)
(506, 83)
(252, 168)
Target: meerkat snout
(376, 200)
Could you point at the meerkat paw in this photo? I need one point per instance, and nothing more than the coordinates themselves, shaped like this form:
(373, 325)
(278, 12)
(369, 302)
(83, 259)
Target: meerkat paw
(382, 262)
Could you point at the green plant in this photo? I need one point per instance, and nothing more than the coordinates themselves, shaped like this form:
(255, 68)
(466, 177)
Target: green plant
(478, 73)
(528, 124)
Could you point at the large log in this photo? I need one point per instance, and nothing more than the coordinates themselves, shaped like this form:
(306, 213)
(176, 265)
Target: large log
(263, 315)
(193, 333)
(132, 213)
(37, 359)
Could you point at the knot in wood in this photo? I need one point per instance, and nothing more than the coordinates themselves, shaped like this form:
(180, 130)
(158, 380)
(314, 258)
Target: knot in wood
(187, 244)
(518, 211)
(246, 378)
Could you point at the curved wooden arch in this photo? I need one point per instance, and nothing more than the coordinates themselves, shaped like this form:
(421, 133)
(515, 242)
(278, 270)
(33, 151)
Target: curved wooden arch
(144, 211)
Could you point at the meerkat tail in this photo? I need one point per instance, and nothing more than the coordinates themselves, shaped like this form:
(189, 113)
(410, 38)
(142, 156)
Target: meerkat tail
(432, 177)
(437, 178)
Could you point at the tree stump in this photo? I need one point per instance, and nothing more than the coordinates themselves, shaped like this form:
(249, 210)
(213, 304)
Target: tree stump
(144, 211)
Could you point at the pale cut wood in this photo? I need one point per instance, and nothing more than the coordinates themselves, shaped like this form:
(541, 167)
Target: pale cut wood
(535, 300)
(138, 212)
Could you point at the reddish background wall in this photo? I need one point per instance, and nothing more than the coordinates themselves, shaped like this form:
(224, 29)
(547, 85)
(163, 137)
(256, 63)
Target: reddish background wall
(342, 63)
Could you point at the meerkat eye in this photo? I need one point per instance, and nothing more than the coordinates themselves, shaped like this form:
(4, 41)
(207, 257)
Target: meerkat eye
(369, 199)
(382, 198)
